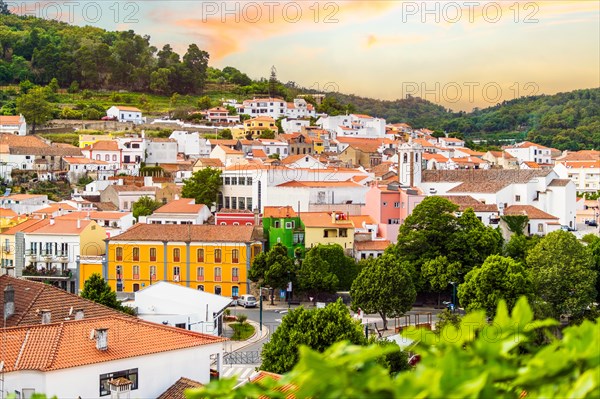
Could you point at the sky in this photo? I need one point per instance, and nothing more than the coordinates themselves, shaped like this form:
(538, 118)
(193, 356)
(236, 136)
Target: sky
(460, 54)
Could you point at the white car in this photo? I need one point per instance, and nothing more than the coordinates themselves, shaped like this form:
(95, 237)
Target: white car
(247, 301)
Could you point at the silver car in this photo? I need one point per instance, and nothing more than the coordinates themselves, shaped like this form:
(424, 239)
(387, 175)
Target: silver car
(247, 301)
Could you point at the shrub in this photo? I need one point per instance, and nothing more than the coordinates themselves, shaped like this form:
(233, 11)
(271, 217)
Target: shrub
(241, 318)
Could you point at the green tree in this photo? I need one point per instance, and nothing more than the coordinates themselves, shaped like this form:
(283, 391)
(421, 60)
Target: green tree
(35, 108)
(316, 328)
(344, 267)
(159, 81)
(439, 272)
(498, 278)
(144, 206)
(315, 276)
(395, 360)
(562, 274)
(204, 103)
(516, 223)
(594, 248)
(267, 134)
(4, 8)
(384, 286)
(53, 85)
(272, 268)
(519, 245)
(203, 186)
(97, 290)
(226, 134)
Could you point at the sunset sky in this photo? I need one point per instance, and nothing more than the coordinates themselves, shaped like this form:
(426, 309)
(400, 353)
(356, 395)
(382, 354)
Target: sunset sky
(459, 54)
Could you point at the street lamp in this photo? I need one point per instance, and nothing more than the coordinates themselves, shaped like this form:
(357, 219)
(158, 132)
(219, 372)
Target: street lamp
(454, 283)
(289, 290)
(260, 306)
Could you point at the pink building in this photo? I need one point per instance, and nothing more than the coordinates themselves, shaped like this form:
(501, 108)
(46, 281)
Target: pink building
(389, 205)
(237, 217)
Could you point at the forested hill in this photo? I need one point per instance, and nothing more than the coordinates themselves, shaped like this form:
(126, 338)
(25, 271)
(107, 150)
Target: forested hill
(39, 50)
(565, 121)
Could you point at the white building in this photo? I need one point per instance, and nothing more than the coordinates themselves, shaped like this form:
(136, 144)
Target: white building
(290, 126)
(530, 152)
(275, 108)
(191, 144)
(274, 147)
(355, 125)
(104, 150)
(125, 114)
(78, 167)
(256, 186)
(180, 211)
(13, 125)
(113, 222)
(183, 307)
(24, 203)
(584, 174)
(540, 188)
(161, 151)
(133, 149)
(87, 355)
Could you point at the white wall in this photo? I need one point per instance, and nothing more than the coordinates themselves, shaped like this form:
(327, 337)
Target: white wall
(156, 373)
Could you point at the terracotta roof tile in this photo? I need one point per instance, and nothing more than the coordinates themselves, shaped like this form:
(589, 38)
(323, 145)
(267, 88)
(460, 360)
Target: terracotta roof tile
(371, 245)
(182, 205)
(67, 344)
(31, 296)
(127, 108)
(531, 211)
(466, 201)
(279, 212)
(323, 219)
(187, 233)
(559, 182)
(177, 390)
(481, 180)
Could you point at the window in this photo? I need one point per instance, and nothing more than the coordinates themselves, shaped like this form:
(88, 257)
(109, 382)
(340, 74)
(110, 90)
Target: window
(234, 181)
(235, 291)
(136, 287)
(233, 202)
(176, 273)
(119, 271)
(119, 254)
(217, 290)
(277, 224)
(217, 274)
(217, 256)
(227, 202)
(152, 273)
(97, 158)
(249, 203)
(152, 254)
(176, 254)
(242, 181)
(107, 157)
(200, 287)
(235, 274)
(540, 228)
(396, 205)
(343, 232)
(242, 203)
(114, 157)
(131, 375)
(235, 256)
(385, 204)
(136, 272)
(136, 254)
(517, 198)
(227, 181)
(200, 274)
(289, 225)
(200, 255)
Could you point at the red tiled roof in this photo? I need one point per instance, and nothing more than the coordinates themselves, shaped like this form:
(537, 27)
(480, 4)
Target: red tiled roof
(177, 390)
(127, 108)
(182, 205)
(559, 182)
(187, 233)
(323, 219)
(67, 344)
(279, 212)
(103, 145)
(466, 201)
(32, 296)
(371, 245)
(295, 183)
(531, 211)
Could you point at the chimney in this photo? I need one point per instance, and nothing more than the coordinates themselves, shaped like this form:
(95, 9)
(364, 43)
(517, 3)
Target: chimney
(78, 224)
(9, 301)
(102, 339)
(46, 316)
(51, 221)
(256, 217)
(79, 314)
(147, 181)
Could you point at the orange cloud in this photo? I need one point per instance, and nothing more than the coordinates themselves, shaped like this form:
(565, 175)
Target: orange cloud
(227, 27)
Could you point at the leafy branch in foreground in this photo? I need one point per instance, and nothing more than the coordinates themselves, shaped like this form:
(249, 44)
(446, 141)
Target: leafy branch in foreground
(476, 360)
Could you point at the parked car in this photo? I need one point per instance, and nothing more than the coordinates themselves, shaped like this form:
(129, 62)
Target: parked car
(247, 301)
(592, 223)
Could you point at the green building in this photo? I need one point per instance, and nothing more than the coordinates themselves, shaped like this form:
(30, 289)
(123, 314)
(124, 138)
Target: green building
(281, 224)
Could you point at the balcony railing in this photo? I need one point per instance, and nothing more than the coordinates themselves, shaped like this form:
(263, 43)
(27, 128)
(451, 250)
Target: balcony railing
(235, 278)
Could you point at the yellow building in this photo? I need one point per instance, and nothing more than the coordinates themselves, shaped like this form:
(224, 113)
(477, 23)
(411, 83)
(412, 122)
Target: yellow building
(328, 228)
(89, 139)
(212, 258)
(256, 126)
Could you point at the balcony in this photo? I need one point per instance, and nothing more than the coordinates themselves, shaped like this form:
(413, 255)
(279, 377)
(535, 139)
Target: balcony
(43, 272)
(218, 278)
(235, 278)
